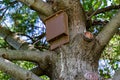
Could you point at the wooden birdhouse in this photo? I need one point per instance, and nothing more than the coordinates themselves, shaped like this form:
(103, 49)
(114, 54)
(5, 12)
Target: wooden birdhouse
(57, 29)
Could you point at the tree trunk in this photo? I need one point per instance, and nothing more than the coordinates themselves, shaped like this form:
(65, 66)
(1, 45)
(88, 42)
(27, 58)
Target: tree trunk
(76, 59)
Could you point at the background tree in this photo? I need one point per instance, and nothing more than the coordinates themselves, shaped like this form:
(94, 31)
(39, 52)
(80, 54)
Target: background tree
(22, 34)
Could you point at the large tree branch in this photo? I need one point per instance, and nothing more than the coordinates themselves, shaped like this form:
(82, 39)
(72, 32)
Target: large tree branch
(34, 56)
(103, 10)
(37, 71)
(109, 30)
(13, 39)
(44, 59)
(39, 6)
(16, 71)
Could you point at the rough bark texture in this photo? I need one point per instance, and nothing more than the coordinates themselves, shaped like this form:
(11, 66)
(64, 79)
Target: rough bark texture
(77, 60)
(117, 75)
(80, 56)
(21, 74)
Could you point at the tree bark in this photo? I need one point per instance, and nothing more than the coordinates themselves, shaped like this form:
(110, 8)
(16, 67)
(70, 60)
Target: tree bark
(38, 5)
(77, 60)
(16, 71)
(80, 57)
(117, 75)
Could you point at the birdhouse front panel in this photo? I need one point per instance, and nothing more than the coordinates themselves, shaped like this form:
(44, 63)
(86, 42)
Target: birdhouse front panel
(56, 25)
(57, 28)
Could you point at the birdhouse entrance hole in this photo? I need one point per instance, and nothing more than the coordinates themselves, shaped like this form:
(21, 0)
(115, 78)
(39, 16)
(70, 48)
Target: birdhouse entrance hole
(57, 29)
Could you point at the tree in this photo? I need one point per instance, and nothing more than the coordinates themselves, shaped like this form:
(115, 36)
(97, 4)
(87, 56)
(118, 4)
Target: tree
(76, 60)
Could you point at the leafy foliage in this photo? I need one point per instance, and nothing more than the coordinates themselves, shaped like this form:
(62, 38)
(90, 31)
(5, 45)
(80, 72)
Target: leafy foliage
(3, 44)
(4, 76)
